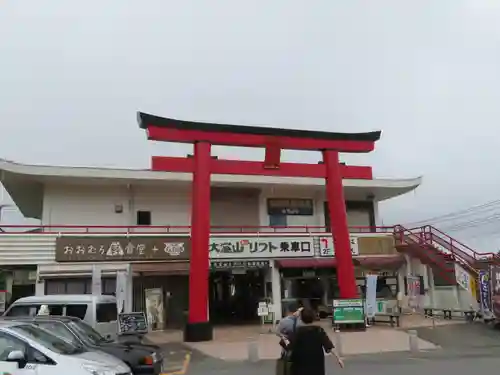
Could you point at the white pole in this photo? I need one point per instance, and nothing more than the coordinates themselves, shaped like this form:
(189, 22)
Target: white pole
(253, 351)
(413, 341)
(338, 342)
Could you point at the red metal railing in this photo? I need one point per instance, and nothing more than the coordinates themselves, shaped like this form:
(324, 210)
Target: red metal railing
(463, 254)
(455, 247)
(415, 236)
(176, 229)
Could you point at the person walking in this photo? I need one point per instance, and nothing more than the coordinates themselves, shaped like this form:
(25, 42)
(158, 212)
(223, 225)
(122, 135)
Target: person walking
(285, 331)
(289, 323)
(308, 346)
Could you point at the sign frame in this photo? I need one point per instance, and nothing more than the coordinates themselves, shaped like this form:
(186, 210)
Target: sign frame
(327, 246)
(141, 315)
(270, 247)
(353, 307)
(224, 265)
(122, 248)
(290, 206)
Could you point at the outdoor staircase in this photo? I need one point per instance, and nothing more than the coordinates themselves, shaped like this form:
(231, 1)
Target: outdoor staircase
(441, 252)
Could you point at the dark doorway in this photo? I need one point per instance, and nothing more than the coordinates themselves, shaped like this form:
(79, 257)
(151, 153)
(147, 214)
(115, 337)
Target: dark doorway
(234, 297)
(20, 291)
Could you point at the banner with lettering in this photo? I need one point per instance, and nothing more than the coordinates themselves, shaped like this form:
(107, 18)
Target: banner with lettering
(121, 292)
(462, 277)
(413, 291)
(122, 248)
(371, 295)
(495, 290)
(263, 247)
(327, 247)
(485, 293)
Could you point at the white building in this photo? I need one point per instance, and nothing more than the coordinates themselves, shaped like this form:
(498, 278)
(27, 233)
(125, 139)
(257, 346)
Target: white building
(96, 204)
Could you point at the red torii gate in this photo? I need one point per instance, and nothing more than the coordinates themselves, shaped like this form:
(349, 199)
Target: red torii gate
(202, 165)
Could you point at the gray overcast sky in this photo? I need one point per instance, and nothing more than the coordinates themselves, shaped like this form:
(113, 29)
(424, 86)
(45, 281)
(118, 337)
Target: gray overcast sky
(74, 73)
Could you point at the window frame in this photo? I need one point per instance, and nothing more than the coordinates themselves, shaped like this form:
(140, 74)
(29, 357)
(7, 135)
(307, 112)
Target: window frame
(28, 350)
(278, 220)
(148, 215)
(98, 315)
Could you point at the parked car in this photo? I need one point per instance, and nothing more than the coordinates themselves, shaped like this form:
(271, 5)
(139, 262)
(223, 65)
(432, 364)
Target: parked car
(142, 359)
(98, 311)
(26, 349)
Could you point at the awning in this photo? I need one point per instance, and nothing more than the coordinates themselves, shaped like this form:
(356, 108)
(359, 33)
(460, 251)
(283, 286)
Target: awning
(161, 268)
(372, 262)
(81, 269)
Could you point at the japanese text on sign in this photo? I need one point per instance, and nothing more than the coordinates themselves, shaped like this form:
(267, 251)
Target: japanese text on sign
(327, 249)
(120, 248)
(115, 249)
(273, 247)
(250, 264)
(279, 206)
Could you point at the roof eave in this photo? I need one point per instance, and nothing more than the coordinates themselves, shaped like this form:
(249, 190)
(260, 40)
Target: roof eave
(145, 120)
(29, 198)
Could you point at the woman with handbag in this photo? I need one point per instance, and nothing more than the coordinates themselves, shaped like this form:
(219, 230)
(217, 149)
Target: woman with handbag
(285, 330)
(308, 347)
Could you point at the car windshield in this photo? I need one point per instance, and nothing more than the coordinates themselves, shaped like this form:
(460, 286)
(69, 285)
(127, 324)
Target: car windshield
(60, 330)
(86, 332)
(47, 339)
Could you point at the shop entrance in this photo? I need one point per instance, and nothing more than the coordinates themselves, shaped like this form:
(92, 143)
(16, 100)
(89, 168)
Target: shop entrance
(310, 288)
(235, 295)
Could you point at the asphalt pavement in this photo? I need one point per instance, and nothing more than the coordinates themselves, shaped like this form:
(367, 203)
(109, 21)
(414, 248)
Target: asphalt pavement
(463, 349)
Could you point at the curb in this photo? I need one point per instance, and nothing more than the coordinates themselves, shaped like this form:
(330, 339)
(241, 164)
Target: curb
(183, 370)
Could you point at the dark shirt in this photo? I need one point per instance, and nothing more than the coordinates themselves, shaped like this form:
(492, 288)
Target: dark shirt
(308, 347)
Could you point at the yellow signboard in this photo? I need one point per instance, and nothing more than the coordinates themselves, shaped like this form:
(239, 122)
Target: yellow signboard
(473, 287)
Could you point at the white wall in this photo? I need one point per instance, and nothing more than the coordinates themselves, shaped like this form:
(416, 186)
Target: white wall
(95, 205)
(449, 297)
(85, 205)
(170, 205)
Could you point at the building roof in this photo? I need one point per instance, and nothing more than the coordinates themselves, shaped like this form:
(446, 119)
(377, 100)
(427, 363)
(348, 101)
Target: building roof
(146, 120)
(52, 298)
(25, 182)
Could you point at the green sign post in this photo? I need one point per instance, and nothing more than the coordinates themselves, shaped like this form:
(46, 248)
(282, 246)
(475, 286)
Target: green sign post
(348, 311)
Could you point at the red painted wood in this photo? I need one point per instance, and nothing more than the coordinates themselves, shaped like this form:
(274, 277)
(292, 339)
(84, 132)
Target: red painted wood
(338, 226)
(256, 168)
(272, 158)
(251, 140)
(200, 235)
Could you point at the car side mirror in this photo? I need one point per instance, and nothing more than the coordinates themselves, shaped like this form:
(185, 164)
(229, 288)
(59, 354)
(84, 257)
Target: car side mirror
(108, 337)
(17, 356)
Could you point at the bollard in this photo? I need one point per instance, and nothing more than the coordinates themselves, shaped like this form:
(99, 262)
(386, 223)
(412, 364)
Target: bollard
(413, 341)
(253, 351)
(338, 342)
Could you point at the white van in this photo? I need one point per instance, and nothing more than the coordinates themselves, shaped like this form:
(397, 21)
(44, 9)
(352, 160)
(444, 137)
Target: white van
(100, 312)
(26, 349)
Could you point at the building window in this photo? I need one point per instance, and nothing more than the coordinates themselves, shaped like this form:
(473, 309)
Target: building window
(78, 286)
(277, 220)
(106, 312)
(143, 217)
(77, 311)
